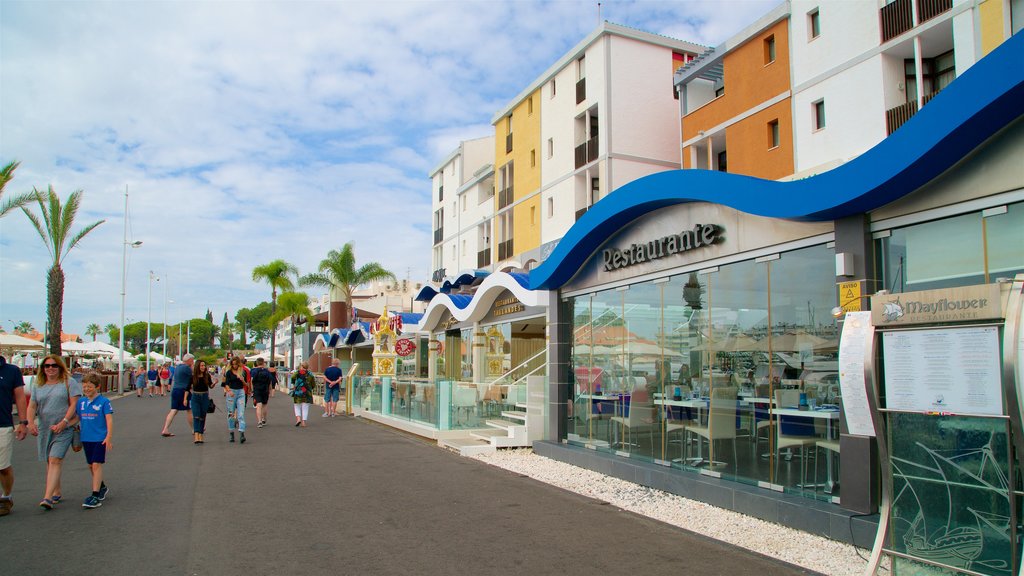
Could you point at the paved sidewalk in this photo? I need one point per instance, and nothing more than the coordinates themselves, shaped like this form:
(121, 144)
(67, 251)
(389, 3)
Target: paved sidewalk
(343, 496)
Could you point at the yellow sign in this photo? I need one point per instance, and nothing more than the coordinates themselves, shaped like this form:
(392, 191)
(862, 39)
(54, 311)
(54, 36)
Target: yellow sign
(850, 296)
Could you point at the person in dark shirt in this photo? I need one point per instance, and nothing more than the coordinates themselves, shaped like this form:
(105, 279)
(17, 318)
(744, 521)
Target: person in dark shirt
(179, 389)
(200, 400)
(262, 381)
(332, 388)
(12, 392)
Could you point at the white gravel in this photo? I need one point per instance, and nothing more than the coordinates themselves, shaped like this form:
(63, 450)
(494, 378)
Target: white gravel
(793, 546)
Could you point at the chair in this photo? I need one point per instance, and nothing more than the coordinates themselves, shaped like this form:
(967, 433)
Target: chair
(795, 432)
(464, 397)
(639, 415)
(721, 422)
(673, 425)
(831, 448)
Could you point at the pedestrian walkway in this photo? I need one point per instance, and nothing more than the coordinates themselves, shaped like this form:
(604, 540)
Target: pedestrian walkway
(342, 496)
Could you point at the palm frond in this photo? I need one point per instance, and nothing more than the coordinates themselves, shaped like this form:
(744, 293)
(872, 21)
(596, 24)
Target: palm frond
(78, 237)
(39, 226)
(16, 202)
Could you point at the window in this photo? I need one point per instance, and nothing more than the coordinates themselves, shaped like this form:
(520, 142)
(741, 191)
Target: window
(553, 89)
(819, 114)
(529, 106)
(533, 215)
(722, 163)
(551, 207)
(814, 24)
(551, 147)
(533, 158)
(773, 134)
(769, 49)
(595, 190)
(463, 247)
(581, 68)
(463, 202)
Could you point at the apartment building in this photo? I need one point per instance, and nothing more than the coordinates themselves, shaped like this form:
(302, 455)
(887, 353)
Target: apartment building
(462, 189)
(594, 121)
(813, 84)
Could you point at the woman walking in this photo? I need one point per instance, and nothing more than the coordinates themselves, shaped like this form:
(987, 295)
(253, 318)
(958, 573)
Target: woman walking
(200, 388)
(302, 393)
(234, 397)
(53, 402)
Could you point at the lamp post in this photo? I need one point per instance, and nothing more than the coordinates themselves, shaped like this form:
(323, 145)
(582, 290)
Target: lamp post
(124, 283)
(166, 282)
(149, 316)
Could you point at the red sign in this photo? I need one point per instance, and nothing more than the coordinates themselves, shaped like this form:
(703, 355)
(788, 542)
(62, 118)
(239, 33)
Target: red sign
(404, 347)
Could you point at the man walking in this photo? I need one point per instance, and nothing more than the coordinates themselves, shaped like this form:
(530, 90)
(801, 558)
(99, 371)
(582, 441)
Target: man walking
(179, 388)
(262, 380)
(12, 391)
(332, 388)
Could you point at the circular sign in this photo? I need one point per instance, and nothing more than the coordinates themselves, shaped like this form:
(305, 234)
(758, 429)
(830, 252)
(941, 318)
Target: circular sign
(404, 347)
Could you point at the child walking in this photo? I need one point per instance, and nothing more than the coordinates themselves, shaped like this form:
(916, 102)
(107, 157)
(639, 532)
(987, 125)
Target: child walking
(97, 421)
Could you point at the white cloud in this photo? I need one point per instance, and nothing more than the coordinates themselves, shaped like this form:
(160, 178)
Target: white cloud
(252, 131)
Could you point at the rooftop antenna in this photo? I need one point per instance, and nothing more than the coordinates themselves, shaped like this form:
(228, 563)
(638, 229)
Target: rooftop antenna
(598, 13)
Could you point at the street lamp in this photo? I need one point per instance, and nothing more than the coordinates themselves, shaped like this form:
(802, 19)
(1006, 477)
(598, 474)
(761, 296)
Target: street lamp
(149, 315)
(124, 282)
(166, 282)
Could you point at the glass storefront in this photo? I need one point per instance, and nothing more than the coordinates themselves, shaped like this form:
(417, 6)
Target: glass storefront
(732, 370)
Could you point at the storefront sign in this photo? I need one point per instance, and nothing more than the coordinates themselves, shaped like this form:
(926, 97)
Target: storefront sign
(404, 347)
(934, 306)
(701, 235)
(507, 306)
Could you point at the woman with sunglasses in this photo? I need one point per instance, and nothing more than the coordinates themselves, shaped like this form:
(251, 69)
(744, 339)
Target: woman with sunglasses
(200, 388)
(53, 401)
(234, 399)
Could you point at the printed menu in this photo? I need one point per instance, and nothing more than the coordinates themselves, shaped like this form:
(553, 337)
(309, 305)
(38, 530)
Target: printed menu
(856, 409)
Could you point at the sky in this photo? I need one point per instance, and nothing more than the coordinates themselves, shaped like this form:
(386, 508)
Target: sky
(245, 132)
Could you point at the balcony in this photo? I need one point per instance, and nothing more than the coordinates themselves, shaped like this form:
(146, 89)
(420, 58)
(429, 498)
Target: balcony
(504, 198)
(586, 152)
(483, 258)
(505, 250)
(898, 17)
(440, 193)
(508, 143)
(898, 116)
(438, 235)
(438, 275)
(581, 90)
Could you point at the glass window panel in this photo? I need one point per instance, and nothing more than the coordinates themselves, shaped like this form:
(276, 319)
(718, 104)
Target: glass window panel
(642, 355)
(1004, 236)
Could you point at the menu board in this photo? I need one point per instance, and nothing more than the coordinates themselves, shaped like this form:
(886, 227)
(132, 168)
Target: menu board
(946, 370)
(856, 410)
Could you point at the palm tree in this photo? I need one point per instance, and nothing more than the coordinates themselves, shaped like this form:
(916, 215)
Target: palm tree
(112, 331)
(93, 330)
(278, 274)
(291, 305)
(24, 327)
(338, 274)
(55, 230)
(6, 173)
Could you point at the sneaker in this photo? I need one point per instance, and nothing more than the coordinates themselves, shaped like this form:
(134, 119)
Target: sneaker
(92, 502)
(103, 492)
(56, 499)
(46, 504)
(5, 506)
(232, 437)
(259, 424)
(325, 415)
(241, 440)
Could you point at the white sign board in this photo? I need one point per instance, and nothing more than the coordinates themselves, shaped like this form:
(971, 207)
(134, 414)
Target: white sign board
(856, 409)
(946, 370)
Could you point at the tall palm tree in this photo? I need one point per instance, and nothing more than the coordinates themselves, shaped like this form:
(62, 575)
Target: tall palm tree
(93, 330)
(338, 273)
(24, 327)
(291, 305)
(112, 331)
(54, 225)
(6, 173)
(278, 274)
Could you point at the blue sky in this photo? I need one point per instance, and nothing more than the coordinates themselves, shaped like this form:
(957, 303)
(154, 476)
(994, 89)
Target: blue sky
(249, 131)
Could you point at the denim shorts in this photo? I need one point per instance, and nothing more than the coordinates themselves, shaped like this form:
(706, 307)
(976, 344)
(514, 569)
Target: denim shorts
(332, 394)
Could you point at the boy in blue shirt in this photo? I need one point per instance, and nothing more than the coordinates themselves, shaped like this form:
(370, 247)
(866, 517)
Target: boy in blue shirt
(96, 416)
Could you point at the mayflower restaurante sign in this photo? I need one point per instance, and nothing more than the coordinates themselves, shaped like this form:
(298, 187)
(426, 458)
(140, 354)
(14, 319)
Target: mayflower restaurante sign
(701, 235)
(968, 303)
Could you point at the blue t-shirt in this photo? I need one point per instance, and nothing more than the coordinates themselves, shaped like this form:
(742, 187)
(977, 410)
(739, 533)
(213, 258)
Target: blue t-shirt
(93, 416)
(151, 375)
(182, 376)
(10, 378)
(332, 373)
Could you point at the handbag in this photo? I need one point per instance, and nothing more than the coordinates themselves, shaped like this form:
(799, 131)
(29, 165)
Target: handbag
(211, 408)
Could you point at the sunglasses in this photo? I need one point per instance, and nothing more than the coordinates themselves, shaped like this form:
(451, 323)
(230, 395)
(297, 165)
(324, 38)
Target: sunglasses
(50, 366)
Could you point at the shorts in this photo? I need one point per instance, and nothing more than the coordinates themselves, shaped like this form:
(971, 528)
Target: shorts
(178, 399)
(151, 383)
(6, 446)
(95, 452)
(332, 394)
(260, 395)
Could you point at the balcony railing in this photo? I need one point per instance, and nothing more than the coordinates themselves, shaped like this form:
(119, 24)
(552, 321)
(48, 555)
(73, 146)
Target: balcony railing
(896, 19)
(581, 155)
(581, 90)
(928, 9)
(483, 258)
(581, 212)
(505, 249)
(504, 197)
(592, 149)
(898, 116)
(508, 143)
(438, 235)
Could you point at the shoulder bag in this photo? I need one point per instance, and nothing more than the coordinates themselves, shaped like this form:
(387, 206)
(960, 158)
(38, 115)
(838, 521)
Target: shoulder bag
(76, 432)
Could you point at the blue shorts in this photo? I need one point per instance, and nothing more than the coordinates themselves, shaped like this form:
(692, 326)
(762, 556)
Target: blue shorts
(95, 452)
(332, 394)
(178, 399)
